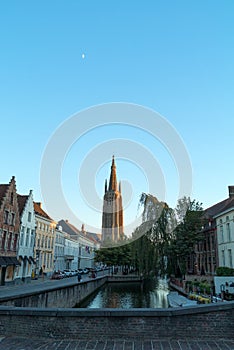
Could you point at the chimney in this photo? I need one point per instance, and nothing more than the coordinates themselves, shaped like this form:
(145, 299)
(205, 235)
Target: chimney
(231, 191)
(40, 204)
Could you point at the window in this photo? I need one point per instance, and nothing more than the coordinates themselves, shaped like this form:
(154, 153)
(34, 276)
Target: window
(38, 241)
(9, 241)
(27, 237)
(4, 239)
(12, 219)
(22, 235)
(213, 242)
(42, 241)
(230, 257)
(221, 234)
(228, 232)
(29, 216)
(46, 238)
(223, 258)
(32, 239)
(6, 215)
(12, 198)
(15, 242)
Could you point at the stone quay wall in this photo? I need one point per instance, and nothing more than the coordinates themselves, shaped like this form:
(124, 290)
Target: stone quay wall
(58, 296)
(214, 321)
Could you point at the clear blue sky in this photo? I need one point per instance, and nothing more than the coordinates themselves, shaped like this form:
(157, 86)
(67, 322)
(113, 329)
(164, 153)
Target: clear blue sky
(175, 57)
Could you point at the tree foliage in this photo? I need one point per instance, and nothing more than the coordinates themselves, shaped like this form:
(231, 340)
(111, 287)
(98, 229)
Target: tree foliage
(163, 241)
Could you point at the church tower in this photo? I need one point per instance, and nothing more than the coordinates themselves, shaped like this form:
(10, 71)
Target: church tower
(112, 215)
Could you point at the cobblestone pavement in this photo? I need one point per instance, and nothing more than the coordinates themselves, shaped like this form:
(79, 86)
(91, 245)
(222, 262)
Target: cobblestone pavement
(10, 343)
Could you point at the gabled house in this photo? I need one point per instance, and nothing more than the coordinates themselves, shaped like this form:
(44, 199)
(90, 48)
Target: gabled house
(25, 252)
(44, 241)
(9, 231)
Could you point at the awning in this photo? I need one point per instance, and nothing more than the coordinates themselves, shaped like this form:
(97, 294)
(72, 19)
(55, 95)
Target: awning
(32, 260)
(2, 261)
(10, 260)
(69, 257)
(26, 258)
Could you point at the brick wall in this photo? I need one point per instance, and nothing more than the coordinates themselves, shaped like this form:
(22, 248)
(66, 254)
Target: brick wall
(214, 321)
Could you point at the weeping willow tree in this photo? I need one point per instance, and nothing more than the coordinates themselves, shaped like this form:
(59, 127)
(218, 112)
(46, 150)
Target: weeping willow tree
(152, 237)
(166, 236)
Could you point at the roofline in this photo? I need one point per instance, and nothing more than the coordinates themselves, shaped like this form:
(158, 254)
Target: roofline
(223, 212)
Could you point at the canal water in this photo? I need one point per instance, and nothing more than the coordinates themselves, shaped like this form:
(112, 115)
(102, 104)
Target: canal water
(150, 294)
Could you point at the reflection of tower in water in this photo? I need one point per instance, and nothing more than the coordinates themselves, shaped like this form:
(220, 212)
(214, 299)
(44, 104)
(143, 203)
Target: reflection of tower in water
(112, 216)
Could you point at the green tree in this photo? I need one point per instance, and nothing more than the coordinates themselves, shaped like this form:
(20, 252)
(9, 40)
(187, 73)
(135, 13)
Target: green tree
(186, 234)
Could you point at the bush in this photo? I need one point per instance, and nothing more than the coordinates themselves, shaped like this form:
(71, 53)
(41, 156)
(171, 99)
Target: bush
(224, 271)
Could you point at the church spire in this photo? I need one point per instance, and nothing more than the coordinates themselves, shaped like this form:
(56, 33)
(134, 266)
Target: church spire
(113, 177)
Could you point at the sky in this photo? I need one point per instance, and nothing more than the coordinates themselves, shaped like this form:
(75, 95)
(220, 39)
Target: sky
(58, 59)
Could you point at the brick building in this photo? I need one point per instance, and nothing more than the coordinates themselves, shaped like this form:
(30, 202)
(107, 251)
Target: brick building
(9, 231)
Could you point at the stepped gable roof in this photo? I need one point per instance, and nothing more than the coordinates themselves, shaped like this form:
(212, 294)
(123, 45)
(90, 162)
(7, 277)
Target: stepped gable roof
(21, 202)
(3, 189)
(39, 211)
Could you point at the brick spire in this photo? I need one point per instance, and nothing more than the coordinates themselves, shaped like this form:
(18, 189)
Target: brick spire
(113, 177)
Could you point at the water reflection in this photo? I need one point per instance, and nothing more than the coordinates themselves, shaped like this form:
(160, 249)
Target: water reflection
(150, 294)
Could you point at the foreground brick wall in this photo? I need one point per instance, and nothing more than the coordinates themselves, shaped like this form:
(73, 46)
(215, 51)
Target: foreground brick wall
(206, 321)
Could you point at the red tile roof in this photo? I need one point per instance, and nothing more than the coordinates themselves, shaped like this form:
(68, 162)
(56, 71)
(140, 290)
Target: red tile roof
(38, 210)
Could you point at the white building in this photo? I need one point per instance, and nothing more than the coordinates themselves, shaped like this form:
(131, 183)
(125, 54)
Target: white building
(225, 232)
(87, 243)
(86, 251)
(27, 238)
(59, 245)
(71, 250)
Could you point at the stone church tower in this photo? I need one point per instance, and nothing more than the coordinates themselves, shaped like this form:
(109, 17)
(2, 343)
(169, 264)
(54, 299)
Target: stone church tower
(112, 216)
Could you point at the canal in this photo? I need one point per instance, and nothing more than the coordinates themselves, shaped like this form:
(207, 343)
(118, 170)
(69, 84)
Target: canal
(126, 295)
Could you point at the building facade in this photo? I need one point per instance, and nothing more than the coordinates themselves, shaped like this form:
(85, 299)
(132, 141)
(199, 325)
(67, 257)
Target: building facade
(25, 252)
(44, 241)
(112, 215)
(71, 252)
(217, 245)
(9, 231)
(225, 234)
(87, 244)
(59, 261)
